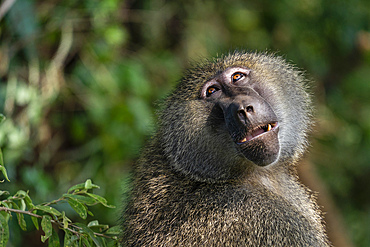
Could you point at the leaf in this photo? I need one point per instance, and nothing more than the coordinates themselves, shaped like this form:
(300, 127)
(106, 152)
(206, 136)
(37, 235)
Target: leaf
(77, 187)
(82, 186)
(88, 184)
(2, 167)
(83, 199)
(65, 220)
(4, 231)
(48, 209)
(115, 230)
(21, 221)
(2, 118)
(93, 223)
(29, 203)
(54, 239)
(90, 234)
(23, 205)
(4, 192)
(96, 226)
(101, 199)
(46, 227)
(69, 239)
(78, 207)
(35, 220)
(27, 199)
(5, 214)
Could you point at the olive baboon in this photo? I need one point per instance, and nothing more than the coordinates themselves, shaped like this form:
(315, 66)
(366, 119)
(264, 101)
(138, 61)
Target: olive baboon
(221, 169)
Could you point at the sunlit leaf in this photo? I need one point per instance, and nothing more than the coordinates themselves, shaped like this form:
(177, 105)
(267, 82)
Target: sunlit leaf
(2, 167)
(90, 233)
(70, 240)
(82, 186)
(46, 227)
(101, 200)
(83, 199)
(35, 220)
(93, 223)
(77, 187)
(4, 231)
(48, 209)
(88, 184)
(78, 207)
(115, 230)
(96, 226)
(65, 219)
(21, 221)
(23, 205)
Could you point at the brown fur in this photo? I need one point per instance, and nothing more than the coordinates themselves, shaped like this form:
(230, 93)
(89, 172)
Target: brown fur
(193, 188)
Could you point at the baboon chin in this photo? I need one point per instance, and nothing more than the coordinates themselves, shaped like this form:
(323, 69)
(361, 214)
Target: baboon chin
(221, 169)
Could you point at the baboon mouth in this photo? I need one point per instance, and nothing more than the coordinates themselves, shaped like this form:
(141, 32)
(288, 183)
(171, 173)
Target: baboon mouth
(258, 131)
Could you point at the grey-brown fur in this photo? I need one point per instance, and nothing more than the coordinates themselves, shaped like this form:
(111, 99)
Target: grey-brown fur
(192, 187)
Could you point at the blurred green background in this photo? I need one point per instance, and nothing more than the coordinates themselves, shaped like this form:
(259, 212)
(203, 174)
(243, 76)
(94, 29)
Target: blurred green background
(80, 82)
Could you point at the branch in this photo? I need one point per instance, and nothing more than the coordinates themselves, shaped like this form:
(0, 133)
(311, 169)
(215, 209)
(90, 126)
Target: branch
(53, 221)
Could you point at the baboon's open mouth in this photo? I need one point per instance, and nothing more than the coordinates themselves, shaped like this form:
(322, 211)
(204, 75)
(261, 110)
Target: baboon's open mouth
(257, 131)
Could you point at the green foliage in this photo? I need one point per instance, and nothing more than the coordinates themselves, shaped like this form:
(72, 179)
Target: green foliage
(75, 234)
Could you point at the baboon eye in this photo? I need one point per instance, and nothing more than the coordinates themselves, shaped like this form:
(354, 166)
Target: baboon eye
(211, 90)
(237, 76)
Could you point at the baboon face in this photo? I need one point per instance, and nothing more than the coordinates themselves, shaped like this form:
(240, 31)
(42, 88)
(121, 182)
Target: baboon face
(236, 114)
(249, 119)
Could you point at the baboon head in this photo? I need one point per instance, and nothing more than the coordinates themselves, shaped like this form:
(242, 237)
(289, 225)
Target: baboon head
(234, 115)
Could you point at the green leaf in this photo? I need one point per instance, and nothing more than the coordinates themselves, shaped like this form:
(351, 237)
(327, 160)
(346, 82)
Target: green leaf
(78, 207)
(4, 192)
(2, 167)
(48, 209)
(87, 185)
(84, 242)
(21, 221)
(46, 227)
(54, 239)
(4, 231)
(6, 215)
(29, 203)
(90, 234)
(115, 230)
(69, 239)
(23, 205)
(101, 199)
(83, 199)
(2, 118)
(65, 220)
(27, 199)
(77, 187)
(97, 227)
(35, 220)
(93, 223)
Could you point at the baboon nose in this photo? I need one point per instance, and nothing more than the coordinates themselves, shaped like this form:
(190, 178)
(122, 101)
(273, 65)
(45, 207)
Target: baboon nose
(243, 112)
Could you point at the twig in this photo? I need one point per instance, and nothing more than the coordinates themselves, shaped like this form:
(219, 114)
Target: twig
(53, 221)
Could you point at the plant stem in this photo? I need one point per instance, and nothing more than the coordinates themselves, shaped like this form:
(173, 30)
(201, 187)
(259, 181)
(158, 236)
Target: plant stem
(53, 221)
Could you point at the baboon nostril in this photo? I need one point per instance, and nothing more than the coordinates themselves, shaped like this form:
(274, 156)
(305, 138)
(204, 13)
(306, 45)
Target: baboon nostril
(249, 109)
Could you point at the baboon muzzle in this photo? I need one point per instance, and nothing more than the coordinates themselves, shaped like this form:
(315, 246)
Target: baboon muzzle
(253, 125)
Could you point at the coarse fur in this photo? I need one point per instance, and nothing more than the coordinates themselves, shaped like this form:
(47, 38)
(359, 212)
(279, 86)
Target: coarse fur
(193, 186)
